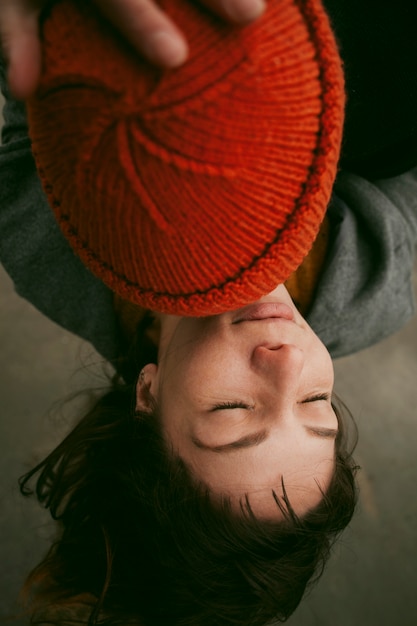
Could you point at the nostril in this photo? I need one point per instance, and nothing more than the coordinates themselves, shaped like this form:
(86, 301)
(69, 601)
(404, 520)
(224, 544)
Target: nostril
(267, 353)
(288, 352)
(271, 346)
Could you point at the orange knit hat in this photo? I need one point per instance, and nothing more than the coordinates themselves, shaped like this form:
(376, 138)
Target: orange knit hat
(196, 190)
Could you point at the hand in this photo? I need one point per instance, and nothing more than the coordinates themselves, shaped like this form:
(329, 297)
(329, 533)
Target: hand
(142, 22)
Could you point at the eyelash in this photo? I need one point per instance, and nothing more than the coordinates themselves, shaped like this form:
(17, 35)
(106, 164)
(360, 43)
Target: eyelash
(241, 405)
(319, 396)
(231, 405)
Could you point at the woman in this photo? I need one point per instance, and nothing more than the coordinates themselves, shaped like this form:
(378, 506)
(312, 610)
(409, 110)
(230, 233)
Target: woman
(254, 344)
(181, 504)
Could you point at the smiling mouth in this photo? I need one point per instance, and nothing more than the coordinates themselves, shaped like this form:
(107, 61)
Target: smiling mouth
(264, 311)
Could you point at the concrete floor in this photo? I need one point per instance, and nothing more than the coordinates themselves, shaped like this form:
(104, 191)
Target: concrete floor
(372, 577)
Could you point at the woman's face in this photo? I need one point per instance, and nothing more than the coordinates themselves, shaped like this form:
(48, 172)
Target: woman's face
(245, 401)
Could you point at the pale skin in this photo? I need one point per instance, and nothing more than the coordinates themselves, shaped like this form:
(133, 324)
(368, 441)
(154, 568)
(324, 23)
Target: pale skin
(150, 31)
(246, 403)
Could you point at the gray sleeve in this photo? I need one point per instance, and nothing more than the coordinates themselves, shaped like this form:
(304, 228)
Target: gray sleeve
(34, 252)
(401, 191)
(365, 292)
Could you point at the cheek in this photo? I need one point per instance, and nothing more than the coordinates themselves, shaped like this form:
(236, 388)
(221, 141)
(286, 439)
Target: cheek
(190, 371)
(207, 368)
(321, 360)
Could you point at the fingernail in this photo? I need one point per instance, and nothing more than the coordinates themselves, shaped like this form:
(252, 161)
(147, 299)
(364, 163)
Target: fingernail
(166, 49)
(244, 10)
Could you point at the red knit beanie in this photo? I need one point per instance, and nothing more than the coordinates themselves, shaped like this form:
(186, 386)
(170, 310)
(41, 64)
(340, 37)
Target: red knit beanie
(196, 190)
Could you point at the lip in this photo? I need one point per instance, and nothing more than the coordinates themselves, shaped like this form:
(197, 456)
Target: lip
(264, 311)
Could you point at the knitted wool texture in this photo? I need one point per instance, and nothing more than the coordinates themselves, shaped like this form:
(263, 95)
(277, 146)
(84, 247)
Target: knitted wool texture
(197, 190)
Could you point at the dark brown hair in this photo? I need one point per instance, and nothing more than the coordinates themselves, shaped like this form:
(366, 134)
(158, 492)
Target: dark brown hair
(148, 541)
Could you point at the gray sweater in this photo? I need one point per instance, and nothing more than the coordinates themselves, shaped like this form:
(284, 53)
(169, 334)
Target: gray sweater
(35, 253)
(364, 294)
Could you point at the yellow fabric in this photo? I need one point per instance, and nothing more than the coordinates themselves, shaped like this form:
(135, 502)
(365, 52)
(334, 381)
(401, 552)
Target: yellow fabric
(302, 283)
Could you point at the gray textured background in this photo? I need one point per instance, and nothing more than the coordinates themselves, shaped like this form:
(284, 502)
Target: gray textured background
(372, 577)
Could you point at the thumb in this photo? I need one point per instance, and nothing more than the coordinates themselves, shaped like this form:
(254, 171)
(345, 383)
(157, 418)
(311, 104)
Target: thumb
(19, 33)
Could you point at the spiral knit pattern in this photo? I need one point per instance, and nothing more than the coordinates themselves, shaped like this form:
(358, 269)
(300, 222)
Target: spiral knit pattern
(197, 190)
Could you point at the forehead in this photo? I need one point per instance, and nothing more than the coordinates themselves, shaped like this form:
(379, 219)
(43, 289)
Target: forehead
(303, 487)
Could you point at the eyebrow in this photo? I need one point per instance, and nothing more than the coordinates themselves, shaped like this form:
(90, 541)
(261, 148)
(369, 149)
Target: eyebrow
(248, 441)
(327, 433)
(255, 439)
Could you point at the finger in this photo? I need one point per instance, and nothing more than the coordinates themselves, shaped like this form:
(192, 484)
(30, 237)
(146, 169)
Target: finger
(238, 11)
(20, 42)
(148, 29)
(24, 65)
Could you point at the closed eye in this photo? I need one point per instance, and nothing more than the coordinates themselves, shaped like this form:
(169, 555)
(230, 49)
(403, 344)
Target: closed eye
(224, 406)
(230, 405)
(321, 396)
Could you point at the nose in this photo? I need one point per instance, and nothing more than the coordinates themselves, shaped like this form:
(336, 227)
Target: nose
(281, 365)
